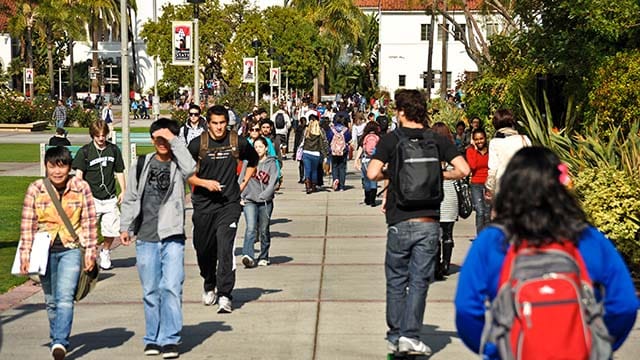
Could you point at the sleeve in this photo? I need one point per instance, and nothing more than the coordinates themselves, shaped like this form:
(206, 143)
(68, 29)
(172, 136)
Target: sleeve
(478, 282)
(490, 183)
(324, 144)
(89, 222)
(119, 164)
(80, 161)
(247, 152)
(347, 136)
(29, 222)
(186, 164)
(267, 193)
(471, 160)
(606, 267)
(448, 151)
(384, 148)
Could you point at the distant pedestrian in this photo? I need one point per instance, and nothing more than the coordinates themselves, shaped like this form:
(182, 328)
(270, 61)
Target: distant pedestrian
(59, 139)
(478, 159)
(154, 210)
(194, 125)
(107, 117)
(60, 114)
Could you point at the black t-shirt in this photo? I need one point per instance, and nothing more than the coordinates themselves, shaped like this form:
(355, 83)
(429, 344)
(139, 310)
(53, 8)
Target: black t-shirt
(222, 167)
(386, 152)
(99, 168)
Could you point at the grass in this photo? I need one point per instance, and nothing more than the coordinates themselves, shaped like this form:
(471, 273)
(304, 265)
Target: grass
(19, 153)
(11, 198)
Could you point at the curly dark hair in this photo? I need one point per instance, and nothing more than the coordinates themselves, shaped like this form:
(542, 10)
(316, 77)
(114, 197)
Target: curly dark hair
(413, 104)
(533, 204)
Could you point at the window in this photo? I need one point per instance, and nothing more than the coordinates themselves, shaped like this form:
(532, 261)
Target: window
(402, 80)
(424, 32)
(425, 78)
(492, 29)
(442, 32)
(460, 32)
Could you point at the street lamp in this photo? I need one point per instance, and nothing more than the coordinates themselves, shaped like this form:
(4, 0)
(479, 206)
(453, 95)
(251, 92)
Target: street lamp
(196, 50)
(256, 44)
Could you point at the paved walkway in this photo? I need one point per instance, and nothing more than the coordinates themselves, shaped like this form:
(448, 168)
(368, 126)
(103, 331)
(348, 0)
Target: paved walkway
(322, 298)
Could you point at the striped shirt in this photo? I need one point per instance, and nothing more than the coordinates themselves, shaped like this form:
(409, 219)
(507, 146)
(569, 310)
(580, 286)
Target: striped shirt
(40, 214)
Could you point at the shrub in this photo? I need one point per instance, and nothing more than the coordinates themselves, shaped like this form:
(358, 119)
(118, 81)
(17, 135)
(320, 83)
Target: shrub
(14, 109)
(77, 116)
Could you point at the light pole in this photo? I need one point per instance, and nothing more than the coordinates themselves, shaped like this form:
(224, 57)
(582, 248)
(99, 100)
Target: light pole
(256, 44)
(124, 77)
(196, 50)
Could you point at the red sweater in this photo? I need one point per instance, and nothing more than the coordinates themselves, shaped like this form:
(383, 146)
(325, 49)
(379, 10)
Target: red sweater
(479, 165)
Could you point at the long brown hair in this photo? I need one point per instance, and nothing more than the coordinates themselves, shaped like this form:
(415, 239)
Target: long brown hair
(442, 129)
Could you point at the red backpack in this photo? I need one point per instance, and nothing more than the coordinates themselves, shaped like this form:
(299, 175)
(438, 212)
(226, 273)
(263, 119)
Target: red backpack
(545, 308)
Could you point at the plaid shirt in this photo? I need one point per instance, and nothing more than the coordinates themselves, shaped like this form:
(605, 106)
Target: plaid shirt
(40, 214)
(60, 113)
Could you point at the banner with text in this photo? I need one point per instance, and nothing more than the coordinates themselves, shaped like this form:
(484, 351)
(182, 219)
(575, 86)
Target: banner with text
(248, 70)
(275, 76)
(182, 43)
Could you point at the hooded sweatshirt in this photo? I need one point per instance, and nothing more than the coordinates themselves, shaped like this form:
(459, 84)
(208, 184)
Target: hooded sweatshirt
(262, 185)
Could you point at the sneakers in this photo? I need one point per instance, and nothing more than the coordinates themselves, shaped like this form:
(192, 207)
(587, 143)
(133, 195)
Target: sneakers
(152, 349)
(263, 262)
(336, 183)
(413, 346)
(58, 351)
(224, 305)
(105, 259)
(392, 347)
(170, 351)
(209, 298)
(247, 261)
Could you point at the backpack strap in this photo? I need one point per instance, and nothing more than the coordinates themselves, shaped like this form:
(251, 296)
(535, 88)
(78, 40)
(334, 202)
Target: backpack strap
(204, 147)
(233, 142)
(56, 202)
(139, 167)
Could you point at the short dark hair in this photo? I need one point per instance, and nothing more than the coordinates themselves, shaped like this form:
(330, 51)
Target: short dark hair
(503, 118)
(261, 110)
(533, 204)
(461, 123)
(262, 140)
(60, 131)
(164, 123)
(195, 107)
(58, 155)
(478, 131)
(413, 104)
(340, 118)
(218, 110)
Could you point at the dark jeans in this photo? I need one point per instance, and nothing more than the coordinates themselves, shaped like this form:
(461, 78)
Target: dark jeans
(409, 268)
(339, 170)
(214, 235)
(257, 216)
(481, 206)
(311, 163)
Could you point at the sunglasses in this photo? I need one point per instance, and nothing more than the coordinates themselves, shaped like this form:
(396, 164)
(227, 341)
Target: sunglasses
(194, 114)
(254, 129)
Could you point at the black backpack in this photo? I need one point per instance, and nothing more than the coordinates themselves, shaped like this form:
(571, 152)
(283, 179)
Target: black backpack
(417, 174)
(280, 124)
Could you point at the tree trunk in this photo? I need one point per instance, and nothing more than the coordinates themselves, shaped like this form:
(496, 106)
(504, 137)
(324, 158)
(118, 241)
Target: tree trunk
(94, 54)
(50, 72)
(71, 90)
(134, 64)
(30, 58)
(445, 45)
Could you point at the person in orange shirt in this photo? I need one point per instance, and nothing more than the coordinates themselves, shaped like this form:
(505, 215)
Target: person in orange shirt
(478, 159)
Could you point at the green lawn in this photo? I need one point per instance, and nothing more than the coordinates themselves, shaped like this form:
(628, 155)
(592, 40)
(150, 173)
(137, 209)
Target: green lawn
(11, 197)
(19, 153)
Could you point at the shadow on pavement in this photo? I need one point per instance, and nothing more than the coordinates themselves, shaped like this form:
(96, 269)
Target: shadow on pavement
(278, 234)
(124, 263)
(194, 335)
(83, 344)
(280, 221)
(245, 295)
(277, 260)
(436, 339)
(23, 310)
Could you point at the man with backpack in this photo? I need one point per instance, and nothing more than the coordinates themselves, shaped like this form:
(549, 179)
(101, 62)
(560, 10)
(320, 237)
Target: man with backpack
(153, 209)
(216, 203)
(282, 123)
(383, 120)
(100, 163)
(410, 159)
(339, 137)
(194, 126)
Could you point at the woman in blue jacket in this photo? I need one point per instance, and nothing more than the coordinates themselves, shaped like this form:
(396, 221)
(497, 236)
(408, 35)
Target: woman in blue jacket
(536, 205)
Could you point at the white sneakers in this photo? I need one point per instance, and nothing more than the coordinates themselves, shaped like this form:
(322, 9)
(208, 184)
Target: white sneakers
(263, 262)
(209, 298)
(413, 346)
(105, 259)
(224, 305)
(58, 352)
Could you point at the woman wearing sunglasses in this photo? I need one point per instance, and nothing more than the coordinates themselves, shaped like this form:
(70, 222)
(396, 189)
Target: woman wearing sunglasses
(194, 126)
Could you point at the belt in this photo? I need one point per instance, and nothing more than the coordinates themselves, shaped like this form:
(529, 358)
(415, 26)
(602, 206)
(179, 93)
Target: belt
(424, 219)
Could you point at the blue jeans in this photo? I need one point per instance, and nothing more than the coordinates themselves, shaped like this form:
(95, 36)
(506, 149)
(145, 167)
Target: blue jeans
(481, 206)
(257, 216)
(161, 270)
(368, 184)
(311, 163)
(59, 286)
(412, 253)
(60, 124)
(339, 170)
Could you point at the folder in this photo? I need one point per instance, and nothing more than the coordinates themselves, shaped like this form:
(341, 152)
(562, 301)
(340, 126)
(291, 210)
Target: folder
(39, 255)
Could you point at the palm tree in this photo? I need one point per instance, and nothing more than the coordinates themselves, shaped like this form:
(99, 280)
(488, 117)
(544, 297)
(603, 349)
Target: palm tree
(21, 26)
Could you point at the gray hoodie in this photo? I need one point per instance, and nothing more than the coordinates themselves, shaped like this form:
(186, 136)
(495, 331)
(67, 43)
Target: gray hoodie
(262, 185)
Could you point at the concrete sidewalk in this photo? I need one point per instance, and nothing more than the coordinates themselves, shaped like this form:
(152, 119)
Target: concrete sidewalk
(323, 297)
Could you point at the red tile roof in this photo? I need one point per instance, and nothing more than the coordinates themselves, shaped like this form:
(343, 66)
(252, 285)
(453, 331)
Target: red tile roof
(397, 5)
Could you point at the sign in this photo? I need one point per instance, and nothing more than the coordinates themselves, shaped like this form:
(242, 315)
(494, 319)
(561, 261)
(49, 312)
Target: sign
(28, 76)
(274, 77)
(93, 72)
(248, 70)
(182, 54)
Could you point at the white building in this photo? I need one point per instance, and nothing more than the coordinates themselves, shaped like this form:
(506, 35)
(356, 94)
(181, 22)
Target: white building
(404, 45)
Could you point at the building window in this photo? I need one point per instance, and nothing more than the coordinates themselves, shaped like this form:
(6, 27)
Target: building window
(424, 32)
(492, 29)
(448, 79)
(460, 32)
(424, 78)
(442, 32)
(402, 80)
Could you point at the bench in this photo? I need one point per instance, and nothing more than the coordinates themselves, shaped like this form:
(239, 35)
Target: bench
(74, 150)
(142, 139)
(34, 126)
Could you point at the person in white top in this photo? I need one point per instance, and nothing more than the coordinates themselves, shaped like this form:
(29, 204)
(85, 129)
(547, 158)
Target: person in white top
(282, 123)
(107, 116)
(502, 147)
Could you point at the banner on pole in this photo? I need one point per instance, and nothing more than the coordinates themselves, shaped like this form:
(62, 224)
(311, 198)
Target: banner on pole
(28, 75)
(274, 76)
(182, 43)
(248, 70)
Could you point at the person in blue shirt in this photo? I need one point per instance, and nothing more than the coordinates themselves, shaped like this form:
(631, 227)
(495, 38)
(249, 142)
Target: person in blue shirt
(536, 205)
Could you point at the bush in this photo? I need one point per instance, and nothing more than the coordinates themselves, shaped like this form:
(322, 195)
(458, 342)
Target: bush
(77, 116)
(14, 109)
(179, 115)
(608, 196)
